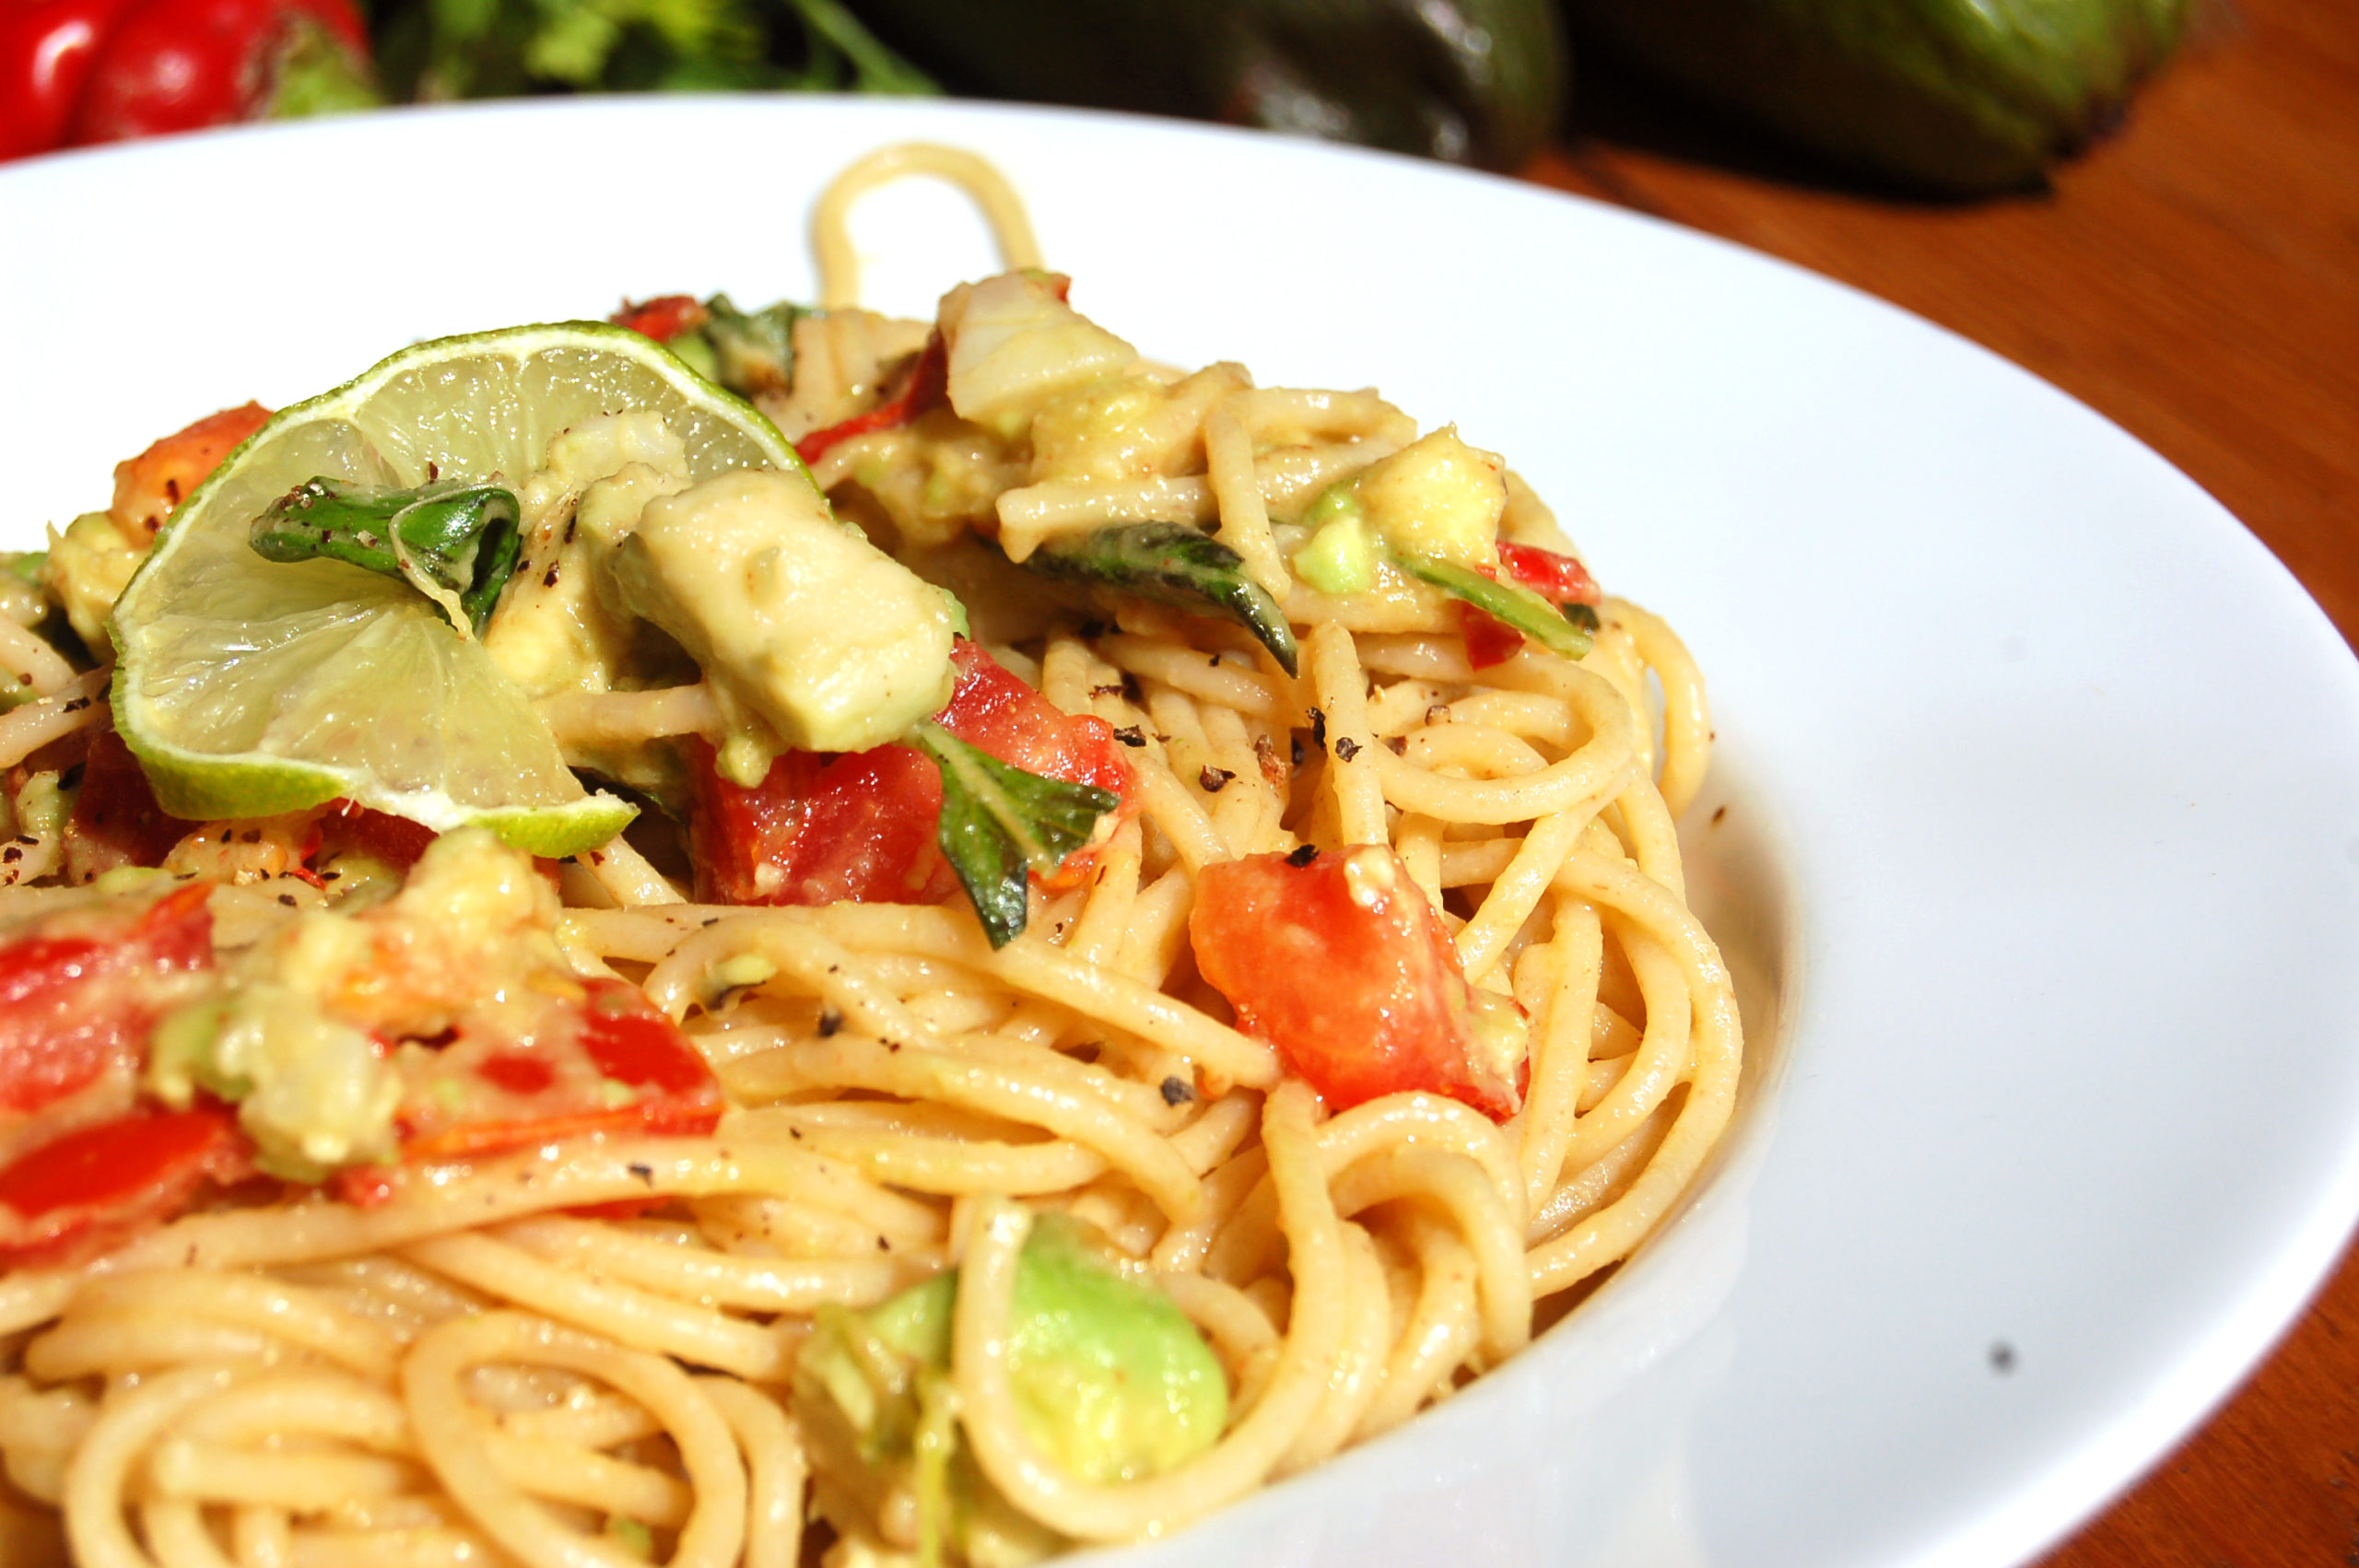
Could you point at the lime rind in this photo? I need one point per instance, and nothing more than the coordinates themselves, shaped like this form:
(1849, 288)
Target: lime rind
(213, 791)
(248, 687)
(555, 832)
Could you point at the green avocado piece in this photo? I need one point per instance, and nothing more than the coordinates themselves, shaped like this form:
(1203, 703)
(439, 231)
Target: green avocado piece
(1954, 97)
(1113, 1380)
(1469, 81)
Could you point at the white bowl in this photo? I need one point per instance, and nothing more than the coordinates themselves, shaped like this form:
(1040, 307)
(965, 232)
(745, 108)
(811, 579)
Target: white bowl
(2043, 777)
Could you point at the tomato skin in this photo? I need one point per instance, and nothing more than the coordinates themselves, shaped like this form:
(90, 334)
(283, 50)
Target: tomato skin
(859, 827)
(46, 48)
(851, 829)
(1489, 640)
(1341, 964)
(75, 1003)
(929, 387)
(621, 1037)
(116, 821)
(395, 841)
(993, 711)
(184, 64)
(78, 1194)
(148, 488)
(632, 1042)
(662, 318)
(72, 1005)
(1560, 580)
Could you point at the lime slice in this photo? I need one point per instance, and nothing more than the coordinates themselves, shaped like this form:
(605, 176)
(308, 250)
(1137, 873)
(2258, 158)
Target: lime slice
(248, 687)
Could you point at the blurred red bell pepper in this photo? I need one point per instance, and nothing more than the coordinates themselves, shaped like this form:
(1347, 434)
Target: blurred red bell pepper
(46, 47)
(74, 72)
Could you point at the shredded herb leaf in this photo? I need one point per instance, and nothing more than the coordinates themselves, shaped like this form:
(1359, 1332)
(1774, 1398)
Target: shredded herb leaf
(1173, 564)
(1000, 822)
(452, 541)
(750, 352)
(1560, 631)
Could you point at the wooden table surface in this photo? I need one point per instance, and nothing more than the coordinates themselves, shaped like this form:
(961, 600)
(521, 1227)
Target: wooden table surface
(2196, 280)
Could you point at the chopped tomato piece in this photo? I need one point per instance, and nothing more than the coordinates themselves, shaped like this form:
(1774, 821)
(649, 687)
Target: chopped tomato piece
(148, 488)
(1489, 640)
(116, 821)
(630, 1041)
(999, 714)
(518, 1072)
(364, 1186)
(860, 828)
(854, 828)
(928, 387)
(395, 841)
(662, 318)
(610, 1063)
(1341, 963)
(80, 995)
(992, 709)
(76, 1195)
(1560, 580)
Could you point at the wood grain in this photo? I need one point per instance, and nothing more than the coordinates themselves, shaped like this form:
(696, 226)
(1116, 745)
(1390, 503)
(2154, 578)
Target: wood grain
(2196, 278)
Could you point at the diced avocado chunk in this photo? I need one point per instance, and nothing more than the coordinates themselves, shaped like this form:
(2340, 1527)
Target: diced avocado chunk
(1111, 1380)
(1340, 557)
(1436, 498)
(40, 807)
(85, 571)
(311, 1092)
(558, 634)
(811, 637)
(1014, 345)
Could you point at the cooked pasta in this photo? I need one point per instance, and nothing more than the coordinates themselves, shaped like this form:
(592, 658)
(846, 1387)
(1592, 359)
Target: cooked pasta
(610, 1341)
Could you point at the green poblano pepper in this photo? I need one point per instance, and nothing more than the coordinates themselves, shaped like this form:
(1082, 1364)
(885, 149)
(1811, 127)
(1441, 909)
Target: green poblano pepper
(1960, 97)
(1469, 81)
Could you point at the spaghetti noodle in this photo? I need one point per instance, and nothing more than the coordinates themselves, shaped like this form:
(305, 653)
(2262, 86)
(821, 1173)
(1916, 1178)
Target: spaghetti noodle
(586, 1349)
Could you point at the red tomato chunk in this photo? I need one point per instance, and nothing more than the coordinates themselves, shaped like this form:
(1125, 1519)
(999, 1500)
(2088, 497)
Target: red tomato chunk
(116, 821)
(80, 1194)
(610, 1063)
(928, 387)
(859, 827)
(662, 318)
(1341, 964)
(1560, 580)
(75, 1004)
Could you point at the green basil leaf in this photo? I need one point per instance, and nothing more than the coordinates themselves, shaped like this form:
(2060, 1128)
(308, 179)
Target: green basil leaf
(1000, 822)
(1560, 631)
(461, 538)
(753, 351)
(1172, 564)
